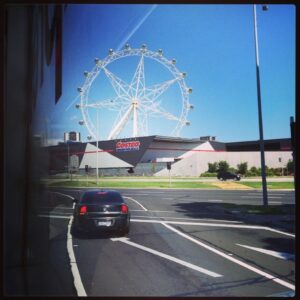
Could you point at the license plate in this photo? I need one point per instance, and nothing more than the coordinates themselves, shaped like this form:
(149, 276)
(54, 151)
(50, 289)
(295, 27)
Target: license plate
(104, 223)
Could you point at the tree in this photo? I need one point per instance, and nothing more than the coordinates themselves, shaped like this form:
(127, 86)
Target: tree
(290, 167)
(212, 167)
(223, 166)
(242, 168)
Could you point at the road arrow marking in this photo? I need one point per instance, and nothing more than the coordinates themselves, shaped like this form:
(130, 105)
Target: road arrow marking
(171, 258)
(282, 255)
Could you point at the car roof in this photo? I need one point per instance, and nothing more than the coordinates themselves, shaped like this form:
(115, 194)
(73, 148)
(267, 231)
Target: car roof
(104, 191)
(106, 194)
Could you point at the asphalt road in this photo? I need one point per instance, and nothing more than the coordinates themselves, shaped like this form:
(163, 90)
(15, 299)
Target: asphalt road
(177, 248)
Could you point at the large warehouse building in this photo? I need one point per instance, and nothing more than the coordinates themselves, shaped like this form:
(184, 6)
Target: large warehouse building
(150, 155)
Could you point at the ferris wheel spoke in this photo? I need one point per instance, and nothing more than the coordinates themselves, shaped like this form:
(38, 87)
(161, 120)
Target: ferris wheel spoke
(159, 111)
(121, 88)
(158, 89)
(113, 103)
(138, 81)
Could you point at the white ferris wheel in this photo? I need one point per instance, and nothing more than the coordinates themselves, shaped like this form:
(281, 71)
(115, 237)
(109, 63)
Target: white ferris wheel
(135, 102)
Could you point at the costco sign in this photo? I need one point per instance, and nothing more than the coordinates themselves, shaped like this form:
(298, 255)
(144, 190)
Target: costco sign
(128, 146)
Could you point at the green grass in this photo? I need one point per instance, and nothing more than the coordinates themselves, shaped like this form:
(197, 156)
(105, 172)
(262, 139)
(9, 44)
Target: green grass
(120, 184)
(161, 184)
(270, 185)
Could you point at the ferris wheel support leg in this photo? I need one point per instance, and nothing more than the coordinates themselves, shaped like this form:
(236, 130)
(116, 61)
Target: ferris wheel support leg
(115, 131)
(135, 121)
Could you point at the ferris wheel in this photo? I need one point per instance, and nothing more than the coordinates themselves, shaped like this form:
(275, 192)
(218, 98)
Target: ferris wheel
(134, 102)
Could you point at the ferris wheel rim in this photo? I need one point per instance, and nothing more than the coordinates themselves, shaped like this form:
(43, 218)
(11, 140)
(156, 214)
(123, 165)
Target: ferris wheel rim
(123, 53)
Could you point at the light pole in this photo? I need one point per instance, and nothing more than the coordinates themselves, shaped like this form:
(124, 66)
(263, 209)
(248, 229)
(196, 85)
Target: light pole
(261, 136)
(68, 158)
(97, 148)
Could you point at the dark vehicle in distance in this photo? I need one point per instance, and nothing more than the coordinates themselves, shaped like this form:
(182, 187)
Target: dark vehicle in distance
(228, 175)
(101, 210)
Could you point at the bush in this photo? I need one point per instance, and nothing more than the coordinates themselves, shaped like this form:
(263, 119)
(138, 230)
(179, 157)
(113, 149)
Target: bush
(253, 172)
(209, 174)
(212, 167)
(223, 166)
(232, 170)
(270, 172)
(290, 167)
(242, 168)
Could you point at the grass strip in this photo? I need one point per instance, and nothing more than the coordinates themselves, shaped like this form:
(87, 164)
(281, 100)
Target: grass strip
(128, 184)
(270, 185)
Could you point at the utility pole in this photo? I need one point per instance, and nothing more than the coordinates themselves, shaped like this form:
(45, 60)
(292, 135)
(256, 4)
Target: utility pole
(261, 136)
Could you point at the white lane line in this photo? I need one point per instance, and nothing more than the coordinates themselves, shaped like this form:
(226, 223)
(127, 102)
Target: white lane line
(241, 263)
(76, 275)
(63, 195)
(130, 198)
(53, 216)
(282, 255)
(275, 202)
(214, 200)
(224, 221)
(169, 257)
(163, 211)
(217, 225)
(259, 197)
(136, 194)
(257, 194)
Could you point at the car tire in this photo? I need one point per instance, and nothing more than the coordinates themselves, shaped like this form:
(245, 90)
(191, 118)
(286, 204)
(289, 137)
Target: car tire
(125, 231)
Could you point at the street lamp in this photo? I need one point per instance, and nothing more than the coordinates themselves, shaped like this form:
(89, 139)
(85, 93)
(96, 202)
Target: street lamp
(261, 137)
(97, 148)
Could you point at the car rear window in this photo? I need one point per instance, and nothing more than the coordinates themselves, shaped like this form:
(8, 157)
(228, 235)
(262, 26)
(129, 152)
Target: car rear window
(101, 197)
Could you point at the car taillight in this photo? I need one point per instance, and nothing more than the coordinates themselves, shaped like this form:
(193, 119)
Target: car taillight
(83, 210)
(124, 209)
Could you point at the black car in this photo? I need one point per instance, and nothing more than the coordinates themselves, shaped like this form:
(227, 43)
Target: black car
(101, 210)
(228, 175)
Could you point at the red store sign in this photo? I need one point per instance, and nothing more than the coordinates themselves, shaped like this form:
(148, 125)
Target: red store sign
(128, 146)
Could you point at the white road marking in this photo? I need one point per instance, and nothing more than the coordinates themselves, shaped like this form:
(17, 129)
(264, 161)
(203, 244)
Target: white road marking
(53, 216)
(188, 219)
(216, 225)
(214, 200)
(130, 198)
(76, 275)
(241, 263)
(56, 207)
(282, 255)
(64, 195)
(136, 194)
(259, 197)
(169, 257)
(257, 194)
(275, 202)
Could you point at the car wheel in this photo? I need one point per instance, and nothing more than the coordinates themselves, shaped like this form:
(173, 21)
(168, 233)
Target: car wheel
(125, 231)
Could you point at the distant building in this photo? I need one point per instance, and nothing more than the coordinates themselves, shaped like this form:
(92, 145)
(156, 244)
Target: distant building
(149, 155)
(72, 136)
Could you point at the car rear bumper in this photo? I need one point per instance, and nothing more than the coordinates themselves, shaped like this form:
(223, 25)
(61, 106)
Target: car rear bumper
(103, 223)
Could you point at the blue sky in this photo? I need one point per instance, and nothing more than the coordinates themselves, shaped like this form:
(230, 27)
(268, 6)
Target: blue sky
(214, 44)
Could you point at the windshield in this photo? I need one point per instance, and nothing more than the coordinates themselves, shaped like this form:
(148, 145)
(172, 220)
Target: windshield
(101, 197)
